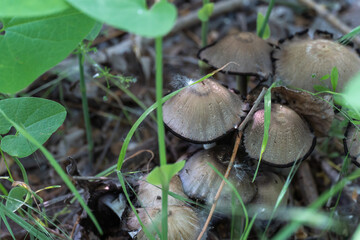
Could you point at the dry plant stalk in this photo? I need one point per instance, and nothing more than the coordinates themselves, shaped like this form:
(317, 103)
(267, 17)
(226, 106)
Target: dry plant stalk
(232, 159)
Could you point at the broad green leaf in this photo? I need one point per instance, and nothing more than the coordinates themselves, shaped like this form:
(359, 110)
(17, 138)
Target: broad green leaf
(163, 174)
(16, 198)
(31, 8)
(31, 46)
(40, 118)
(334, 78)
(94, 31)
(205, 12)
(131, 15)
(352, 90)
(259, 22)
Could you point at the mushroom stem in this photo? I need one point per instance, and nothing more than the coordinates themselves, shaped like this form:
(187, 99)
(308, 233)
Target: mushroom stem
(241, 82)
(209, 145)
(232, 159)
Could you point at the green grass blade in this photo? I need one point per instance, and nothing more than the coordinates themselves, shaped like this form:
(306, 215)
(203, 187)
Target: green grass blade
(266, 20)
(348, 37)
(57, 168)
(7, 225)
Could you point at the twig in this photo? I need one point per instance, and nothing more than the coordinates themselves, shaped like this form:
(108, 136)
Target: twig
(232, 159)
(331, 18)
(307, 184)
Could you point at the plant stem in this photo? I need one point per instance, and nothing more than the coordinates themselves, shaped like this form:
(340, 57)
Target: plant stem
(242, 84)
(85, 108)
(161, 131)
(262, 29)
(204, 28)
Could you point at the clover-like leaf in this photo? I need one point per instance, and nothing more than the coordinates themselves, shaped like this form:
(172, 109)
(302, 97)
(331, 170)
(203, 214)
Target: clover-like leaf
(40, 118)
(163, 174)
(31, 46)
(31, 8)
(131, 15)
(16, 198)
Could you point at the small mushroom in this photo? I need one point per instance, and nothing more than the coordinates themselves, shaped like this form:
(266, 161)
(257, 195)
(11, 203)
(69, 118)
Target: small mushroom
(301, 61)
(149, 195)
(250, 52)
(200, 181)
(203, 112)
(290, 137)
(183, 222)
(352, 143)
(317, 111)
(269, 188)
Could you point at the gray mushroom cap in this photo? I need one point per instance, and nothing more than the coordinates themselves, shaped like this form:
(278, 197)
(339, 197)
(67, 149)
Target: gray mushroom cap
(301, 62)
(251, 53)
(290, 137)
(352, 143)
(203, 112)
(269, 188)
(200, 181)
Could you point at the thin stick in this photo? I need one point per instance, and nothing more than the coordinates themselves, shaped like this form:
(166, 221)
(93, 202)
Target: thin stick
(329, 17)
(232, 159)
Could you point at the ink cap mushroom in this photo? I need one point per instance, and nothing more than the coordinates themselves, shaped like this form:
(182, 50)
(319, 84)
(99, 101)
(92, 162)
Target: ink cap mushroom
(251, 53)
(301, 62)
(201, 182)
(290, 137)
(203, 112)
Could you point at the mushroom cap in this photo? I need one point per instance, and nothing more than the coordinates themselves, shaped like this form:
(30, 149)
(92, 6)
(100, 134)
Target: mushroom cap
(269, 188)
(301, 62)
(203, 112)
(183, 222)
(251, 53)
(200, 181)
(149, 196)
(290, 137)
(352, 143)
(317, 111)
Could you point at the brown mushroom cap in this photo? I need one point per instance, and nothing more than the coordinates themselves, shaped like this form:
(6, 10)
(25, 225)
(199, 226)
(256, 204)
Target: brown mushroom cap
(352, 143)
(269, 188)
(290, 137)
(150, 195)
(203, 112)
(200, 181)
(317, 111)
(300, 58)
(183, 222)
(251, 53)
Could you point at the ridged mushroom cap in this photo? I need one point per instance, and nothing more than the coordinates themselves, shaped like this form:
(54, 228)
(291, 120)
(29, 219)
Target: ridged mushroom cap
(352, 143)
(251, 53)
(300, 58)
(203, 112)
(149, 196)
(269, 188)
(183, 222)
(200, 181)
(290, 137)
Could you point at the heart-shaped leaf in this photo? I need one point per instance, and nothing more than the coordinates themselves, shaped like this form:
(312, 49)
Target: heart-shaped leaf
(39, 117)
(16, 198)
(30, 8)
(31, 46)
(163, 174)
(131, 15)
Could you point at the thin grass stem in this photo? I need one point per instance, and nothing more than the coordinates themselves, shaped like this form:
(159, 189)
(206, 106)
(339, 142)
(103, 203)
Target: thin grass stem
(263, 27)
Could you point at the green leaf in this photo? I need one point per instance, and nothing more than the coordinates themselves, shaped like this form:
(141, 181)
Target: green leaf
(40, 118)
(16, 198)
(325, 77)
(334, 78)
(205, 12)
(259, 22)
(94, 31)
(351, 92)
(163, 174)
(320, 88)
(31, 8)
(131, 15)
(31, 46)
